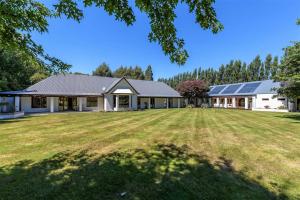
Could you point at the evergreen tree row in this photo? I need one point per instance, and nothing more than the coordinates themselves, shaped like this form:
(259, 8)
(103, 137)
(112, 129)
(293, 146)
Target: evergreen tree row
(130, 72)
(234, 71)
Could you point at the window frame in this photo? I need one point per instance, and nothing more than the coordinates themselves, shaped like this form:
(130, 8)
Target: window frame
(41, 104)
(281, 98)
(121, 100)
(91, 104)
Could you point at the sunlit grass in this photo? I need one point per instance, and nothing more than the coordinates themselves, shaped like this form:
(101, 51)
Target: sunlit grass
(249, 154)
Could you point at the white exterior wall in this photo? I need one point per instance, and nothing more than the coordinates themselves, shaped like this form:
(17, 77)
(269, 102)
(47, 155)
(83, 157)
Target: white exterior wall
(273, 103)
(134, 102)
(26, 105)
(108, 102)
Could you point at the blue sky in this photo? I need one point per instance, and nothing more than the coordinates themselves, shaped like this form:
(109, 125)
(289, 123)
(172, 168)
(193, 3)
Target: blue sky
(252, 27)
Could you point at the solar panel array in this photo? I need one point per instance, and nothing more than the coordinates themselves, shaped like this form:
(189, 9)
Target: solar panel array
(231, 89)
(217, 89)
(249, 87)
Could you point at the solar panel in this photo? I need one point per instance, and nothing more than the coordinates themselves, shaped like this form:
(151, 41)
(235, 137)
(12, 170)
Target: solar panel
(231, 89)
(217, 89)
(249, 87)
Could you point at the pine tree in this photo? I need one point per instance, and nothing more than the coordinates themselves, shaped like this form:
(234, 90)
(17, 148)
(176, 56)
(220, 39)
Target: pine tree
(274, 67)
(149, 73)
(262, 72)
(103, 70)
(268, 63)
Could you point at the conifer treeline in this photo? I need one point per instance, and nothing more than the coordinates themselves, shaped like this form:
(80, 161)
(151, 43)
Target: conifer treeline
(234, 71)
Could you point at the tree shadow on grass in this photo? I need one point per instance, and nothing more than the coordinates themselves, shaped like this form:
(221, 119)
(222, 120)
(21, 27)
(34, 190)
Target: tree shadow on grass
(14, 120)
(163, 172)
(295, 117)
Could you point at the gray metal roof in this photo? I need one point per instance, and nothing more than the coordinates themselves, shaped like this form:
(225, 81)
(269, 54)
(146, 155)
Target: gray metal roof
(85, 85)
(264, 87)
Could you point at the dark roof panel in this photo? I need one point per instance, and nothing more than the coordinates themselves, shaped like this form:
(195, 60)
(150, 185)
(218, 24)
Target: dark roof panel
(246, 88)
(73, 84)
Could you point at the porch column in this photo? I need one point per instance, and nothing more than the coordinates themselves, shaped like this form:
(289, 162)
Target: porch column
(117, 102)
(52, 104)
(105, 103)
(80, 104)
(253, 102)
(218, 102)
(234, 102)
(167, 99)
(225, 103)
(17, 103)
(178, 102)
(149, 103)
(246, 102)
(209, 102)
(129, 102)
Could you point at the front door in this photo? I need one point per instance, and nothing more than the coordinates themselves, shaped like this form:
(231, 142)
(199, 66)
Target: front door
(67, 103)
(298, 104)
(70, 103)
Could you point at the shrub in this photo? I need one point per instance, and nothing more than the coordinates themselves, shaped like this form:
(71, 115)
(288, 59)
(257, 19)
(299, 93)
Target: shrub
(281, 107)
(190, 106)
(204, 105)
(267, 106)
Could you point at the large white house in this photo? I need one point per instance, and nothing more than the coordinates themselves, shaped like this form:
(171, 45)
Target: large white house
(70, 92)
(257, 95)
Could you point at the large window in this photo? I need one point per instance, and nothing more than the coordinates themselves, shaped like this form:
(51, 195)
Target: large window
(123, 101)
(39, 102)
(91, 102)
(229, 100)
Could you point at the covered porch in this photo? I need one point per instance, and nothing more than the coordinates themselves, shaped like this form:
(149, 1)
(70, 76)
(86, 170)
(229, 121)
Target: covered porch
(237, 102)
(159, 102)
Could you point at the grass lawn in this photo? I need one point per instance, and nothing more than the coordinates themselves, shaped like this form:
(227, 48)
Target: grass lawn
(155, 154)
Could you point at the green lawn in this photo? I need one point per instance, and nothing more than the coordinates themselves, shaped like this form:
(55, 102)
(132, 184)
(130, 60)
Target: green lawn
(155, 154)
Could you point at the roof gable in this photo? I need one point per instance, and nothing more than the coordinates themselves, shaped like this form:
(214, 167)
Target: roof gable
(114, 85)
(86, 85)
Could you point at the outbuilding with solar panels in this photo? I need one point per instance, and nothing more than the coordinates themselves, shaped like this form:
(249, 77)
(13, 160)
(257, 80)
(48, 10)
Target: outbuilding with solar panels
(257, 95)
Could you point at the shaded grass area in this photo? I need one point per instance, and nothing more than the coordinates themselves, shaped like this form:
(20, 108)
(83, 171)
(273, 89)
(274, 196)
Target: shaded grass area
(162, 172)
(157, 154)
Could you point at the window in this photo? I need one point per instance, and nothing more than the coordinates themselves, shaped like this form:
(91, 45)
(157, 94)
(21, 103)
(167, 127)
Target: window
(229, 101)
(152, 102)
(115, 100)
(38, 102)
(215, 101)
(280, 99)
(91, 102)
(265, 99)
(123, 101)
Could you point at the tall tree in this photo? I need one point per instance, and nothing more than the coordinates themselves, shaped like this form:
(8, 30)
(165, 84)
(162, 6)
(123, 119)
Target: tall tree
(137, 73)
(262, 72)
(254, 68)
(19, 18)
(289, 72)
(268, 64)
(129, 72)
(18, 71)
(274, 67)
(103, 70)
(149, 73)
